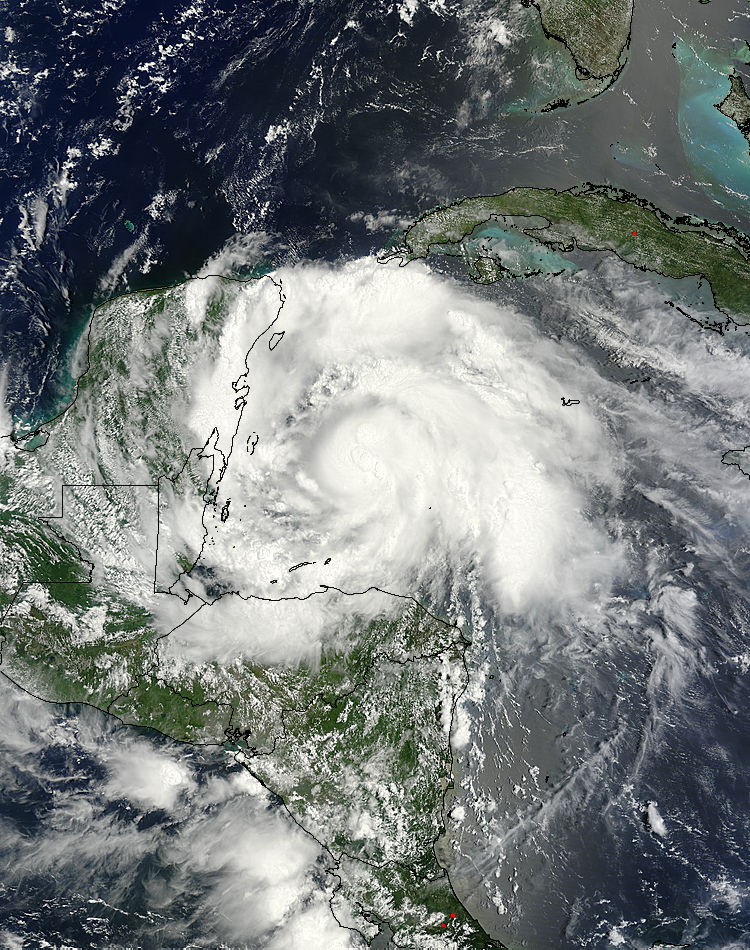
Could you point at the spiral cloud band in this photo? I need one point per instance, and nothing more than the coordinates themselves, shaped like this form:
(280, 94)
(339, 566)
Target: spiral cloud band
(395, 432)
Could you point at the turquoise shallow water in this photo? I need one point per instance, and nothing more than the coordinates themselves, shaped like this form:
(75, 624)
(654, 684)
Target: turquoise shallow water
(517, 252)
(634, 155)
(716, 151)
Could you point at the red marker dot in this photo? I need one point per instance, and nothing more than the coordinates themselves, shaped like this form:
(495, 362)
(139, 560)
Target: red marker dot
(633, 233)
(442, 925)
(453, 915)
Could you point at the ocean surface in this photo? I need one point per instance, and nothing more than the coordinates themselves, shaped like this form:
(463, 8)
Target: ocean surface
(143, 143)
(289, 131)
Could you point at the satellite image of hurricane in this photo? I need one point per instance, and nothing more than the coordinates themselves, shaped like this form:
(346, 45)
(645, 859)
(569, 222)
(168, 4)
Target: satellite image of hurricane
(374, 474)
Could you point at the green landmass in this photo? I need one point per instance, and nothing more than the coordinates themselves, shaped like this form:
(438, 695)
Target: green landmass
(589, 218)
(357, 747)
(356, 744)
(739, 458)
(736, 105)
(596, 32)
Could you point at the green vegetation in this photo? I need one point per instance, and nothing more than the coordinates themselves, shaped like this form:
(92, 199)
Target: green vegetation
(591, 218)
(356, 744)
(423, 915)
(31, 549)
(364, 754)
(364, 761)
(46, 650)
(736, 105)
(596, 32)
(182, 710)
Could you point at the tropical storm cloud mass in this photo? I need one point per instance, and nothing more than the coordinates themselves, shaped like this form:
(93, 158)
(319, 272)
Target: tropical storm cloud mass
(374, 475)
(344, 439)
(404, 436)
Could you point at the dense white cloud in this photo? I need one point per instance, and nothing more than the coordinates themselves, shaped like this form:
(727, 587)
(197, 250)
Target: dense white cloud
(414, 434)
(655, 821)
(588, 721)
(147, 776)
(6, 423)
(399, 434)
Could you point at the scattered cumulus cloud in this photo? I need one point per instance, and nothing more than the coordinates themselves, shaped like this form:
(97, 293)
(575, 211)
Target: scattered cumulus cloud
(150, 843)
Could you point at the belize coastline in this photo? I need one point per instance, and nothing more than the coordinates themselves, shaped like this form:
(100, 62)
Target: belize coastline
(374, 475)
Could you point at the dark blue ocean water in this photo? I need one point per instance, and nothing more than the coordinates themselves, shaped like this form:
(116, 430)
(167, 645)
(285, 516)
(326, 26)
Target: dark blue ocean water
(140, 140)
(270, 116)
(294, 119)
